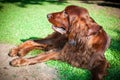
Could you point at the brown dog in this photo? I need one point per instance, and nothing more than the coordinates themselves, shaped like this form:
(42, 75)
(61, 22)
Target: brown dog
(77, 39)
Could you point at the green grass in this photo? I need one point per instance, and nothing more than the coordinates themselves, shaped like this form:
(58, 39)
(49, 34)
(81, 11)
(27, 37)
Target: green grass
(24, 20)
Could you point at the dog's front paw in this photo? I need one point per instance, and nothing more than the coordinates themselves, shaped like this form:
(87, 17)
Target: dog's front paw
(13, 52)
(19, 62)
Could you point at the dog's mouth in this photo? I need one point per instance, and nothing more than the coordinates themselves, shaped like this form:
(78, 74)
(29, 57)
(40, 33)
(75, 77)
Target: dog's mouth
(59, 29)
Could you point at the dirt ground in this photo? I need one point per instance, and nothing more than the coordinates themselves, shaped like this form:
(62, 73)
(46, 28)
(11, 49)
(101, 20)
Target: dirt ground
(33, 72)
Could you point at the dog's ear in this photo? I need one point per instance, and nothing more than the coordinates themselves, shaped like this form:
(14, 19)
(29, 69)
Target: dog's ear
(72, 39)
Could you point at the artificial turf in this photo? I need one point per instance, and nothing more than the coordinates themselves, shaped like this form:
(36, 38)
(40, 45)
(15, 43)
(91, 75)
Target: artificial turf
(21, 20)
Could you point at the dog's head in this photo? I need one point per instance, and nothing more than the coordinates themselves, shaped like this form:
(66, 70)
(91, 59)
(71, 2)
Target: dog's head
(74, 21)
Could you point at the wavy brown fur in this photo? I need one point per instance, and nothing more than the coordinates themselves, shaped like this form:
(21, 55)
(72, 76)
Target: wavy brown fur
(82, 43)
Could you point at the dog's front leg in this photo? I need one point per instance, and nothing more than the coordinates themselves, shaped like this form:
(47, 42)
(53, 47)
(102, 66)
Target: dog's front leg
(50, 55)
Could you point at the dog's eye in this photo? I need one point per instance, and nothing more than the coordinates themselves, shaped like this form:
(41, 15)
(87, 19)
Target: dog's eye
(65, 13)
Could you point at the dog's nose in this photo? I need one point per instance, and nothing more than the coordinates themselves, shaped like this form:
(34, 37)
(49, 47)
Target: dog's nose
(49, 16)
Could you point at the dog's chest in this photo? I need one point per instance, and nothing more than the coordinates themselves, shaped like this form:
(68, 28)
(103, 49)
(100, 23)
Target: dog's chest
(77, 57)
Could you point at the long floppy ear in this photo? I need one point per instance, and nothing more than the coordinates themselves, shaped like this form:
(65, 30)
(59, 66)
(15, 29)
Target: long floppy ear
(72, 39)
(71, 23)
(73, 30)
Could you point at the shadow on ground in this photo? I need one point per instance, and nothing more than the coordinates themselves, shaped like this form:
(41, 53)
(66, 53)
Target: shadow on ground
(31, 38)
(23, 3)
(105, 3)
